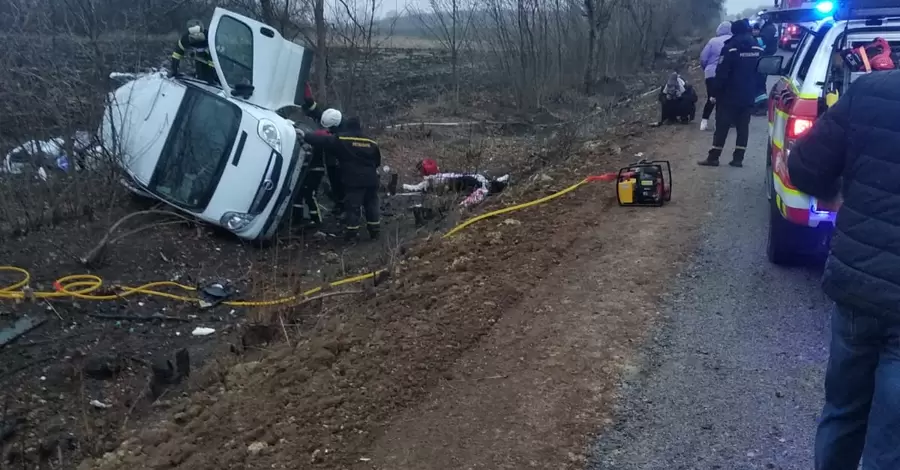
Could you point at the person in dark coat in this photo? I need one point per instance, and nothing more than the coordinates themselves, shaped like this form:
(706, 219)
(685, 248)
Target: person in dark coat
(314, 172)
(677, 101)
(851, 152)
(359, 158)
(195, 43)
(332, 169)
(735, 90)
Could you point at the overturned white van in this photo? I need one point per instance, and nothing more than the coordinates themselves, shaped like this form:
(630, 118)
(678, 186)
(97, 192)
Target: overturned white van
(220, 153)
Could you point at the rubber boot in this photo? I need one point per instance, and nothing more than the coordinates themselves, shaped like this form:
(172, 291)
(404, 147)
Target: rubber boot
(351, 235)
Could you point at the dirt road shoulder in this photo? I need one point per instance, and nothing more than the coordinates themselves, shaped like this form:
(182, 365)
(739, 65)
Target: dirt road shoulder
(545, 376)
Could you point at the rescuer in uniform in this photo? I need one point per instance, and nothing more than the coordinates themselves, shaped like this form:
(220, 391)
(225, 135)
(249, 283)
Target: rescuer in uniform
(195, 43)
(329, 159)
(311, 182)
(359, 158)
(735, 89)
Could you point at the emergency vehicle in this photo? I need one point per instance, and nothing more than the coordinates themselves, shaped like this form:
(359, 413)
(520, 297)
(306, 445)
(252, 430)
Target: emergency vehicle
(800, 225)
(789, 34)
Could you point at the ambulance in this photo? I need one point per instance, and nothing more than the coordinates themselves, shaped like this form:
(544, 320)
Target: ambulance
(824, 65)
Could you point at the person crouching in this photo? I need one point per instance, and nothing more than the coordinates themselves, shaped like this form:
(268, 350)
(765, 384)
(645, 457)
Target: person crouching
(677, 100)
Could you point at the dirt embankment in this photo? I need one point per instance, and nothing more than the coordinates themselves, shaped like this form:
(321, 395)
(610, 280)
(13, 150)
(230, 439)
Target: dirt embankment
(499, 348)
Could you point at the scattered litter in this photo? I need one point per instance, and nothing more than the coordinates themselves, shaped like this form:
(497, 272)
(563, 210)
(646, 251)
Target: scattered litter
(511, 222)
(202, 331)
(19, 328)
(365, 459)
(99, 404)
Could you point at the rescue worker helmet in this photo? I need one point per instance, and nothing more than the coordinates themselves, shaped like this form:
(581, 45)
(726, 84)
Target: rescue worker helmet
(331, 118)
(427, 167)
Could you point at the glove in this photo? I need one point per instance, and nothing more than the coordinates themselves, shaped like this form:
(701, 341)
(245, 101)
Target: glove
(321, 132)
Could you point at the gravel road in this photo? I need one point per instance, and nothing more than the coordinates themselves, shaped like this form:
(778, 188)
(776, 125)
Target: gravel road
(733, 377)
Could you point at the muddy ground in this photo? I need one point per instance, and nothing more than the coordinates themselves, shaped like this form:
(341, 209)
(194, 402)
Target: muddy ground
(355, 365)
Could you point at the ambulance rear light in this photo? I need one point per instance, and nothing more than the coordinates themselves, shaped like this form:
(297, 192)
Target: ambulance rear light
(797, 126)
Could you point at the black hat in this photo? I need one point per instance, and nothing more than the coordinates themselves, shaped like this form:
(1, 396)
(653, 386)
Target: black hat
(741, 26)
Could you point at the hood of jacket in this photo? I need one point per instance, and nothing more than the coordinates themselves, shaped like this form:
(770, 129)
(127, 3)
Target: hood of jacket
(724, 29)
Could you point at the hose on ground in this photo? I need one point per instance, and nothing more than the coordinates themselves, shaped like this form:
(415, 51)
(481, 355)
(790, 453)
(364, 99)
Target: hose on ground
(90, 287)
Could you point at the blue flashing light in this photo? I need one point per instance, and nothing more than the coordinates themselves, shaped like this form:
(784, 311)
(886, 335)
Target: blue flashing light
(825, 7)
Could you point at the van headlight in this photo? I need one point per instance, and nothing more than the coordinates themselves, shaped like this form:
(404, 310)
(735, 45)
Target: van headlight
(236, 221)
(269, 132)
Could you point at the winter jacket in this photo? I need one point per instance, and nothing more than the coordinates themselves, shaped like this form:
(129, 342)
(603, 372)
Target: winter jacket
(709, 57)
(314, 111)
(852, 149)
(737, 82)
(769, 35)
(358, 156)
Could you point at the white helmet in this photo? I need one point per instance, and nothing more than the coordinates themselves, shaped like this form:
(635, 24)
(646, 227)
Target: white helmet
(331, 118)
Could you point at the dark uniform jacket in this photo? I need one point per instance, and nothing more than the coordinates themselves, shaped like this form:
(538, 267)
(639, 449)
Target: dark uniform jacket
(357, 155)
(200, 48)
(314, 111)
(737, 81)
(854, 149)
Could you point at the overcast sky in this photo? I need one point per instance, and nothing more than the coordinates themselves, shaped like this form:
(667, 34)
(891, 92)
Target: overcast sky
(737, 6)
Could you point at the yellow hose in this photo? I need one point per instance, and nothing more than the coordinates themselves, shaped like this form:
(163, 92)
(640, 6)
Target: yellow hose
(84, 286)
(514, 208)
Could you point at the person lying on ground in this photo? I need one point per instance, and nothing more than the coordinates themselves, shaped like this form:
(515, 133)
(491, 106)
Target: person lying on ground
(478, 185)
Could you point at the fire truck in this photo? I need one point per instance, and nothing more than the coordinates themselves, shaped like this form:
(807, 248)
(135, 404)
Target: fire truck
(789, 33)
(800, 226)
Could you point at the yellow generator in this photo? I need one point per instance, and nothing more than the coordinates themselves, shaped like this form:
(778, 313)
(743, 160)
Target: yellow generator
(645, 183)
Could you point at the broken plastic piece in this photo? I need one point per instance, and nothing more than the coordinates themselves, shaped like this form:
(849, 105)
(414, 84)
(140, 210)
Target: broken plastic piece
(202, 331)
(214, 294)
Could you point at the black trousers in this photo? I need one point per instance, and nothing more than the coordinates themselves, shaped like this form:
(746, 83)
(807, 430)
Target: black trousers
(709, 106)
(308, 193)
(729, 116)
(337, 186)
(365, 198)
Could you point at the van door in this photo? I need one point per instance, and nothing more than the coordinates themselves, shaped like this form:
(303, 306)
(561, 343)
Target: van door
(255, 63)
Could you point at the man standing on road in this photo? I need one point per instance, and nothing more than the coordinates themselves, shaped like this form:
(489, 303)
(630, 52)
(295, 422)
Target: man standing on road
(852, 149)
(734, 92)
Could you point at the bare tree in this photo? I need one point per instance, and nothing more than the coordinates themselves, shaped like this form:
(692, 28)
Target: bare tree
(448, 22)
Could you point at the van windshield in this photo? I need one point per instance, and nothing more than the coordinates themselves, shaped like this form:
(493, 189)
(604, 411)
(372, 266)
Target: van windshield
(196, 150)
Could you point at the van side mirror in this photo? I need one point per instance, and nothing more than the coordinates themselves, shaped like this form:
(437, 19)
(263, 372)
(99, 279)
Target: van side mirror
(770, 65)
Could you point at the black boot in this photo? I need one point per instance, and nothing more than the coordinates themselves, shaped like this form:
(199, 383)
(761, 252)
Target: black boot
(712, 159)
(737, 158)
(351, 235)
